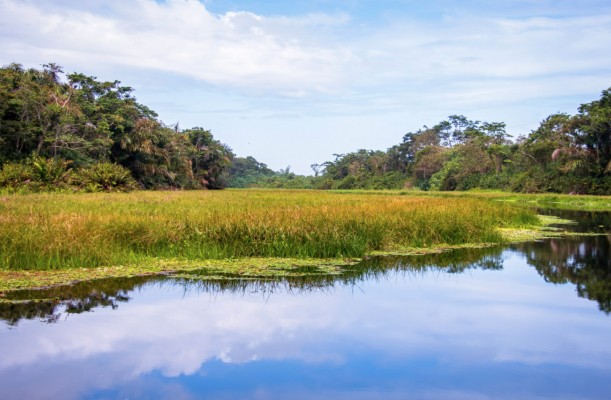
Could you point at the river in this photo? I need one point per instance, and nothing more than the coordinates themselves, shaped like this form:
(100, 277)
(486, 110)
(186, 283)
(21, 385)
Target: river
(527, 321)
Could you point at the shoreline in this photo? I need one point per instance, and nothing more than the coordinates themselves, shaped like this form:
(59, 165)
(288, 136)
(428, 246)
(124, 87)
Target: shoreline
(245, 268)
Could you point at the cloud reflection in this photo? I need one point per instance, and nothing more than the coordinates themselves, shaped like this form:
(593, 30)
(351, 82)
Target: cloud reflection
(486, 318)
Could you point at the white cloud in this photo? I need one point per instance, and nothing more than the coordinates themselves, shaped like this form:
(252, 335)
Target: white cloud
(300, 55)
(332, 82)
(237, 49)
(491, 51)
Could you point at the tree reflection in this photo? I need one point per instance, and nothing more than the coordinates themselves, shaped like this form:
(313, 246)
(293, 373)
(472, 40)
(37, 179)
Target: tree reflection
(13, 312)
(49, 305)
(583, 261)
(586, 221)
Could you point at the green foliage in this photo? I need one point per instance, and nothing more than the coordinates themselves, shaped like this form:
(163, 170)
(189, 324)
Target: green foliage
(568, 154)
(247, 172)
(454, 154)
(36, 174)
(41, 174)
(442, 179)
(51, 172)
(565, 154)
(106, 177)
(364, 169)
(286, 181)
(15, 176)
(593, 131)
(78, 120)
(211, 159)
(85, 121)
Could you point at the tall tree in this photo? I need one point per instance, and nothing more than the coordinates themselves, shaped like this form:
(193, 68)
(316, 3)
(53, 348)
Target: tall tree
(593, 130)
(211, 159)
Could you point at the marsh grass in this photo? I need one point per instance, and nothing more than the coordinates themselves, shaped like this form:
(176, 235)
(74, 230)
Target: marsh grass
(57, 231)
(539, 200)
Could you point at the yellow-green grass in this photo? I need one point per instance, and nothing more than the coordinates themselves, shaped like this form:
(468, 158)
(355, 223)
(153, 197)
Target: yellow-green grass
(538, 200)
(85, 236)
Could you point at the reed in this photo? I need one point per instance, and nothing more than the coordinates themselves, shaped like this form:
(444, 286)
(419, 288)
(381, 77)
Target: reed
(55, 231)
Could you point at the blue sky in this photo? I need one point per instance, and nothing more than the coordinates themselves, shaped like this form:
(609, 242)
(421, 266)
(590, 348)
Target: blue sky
(294, 82)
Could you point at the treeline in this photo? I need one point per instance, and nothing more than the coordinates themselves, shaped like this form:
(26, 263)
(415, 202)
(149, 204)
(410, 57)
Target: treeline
(73, 132)
(247, 172)
(78, 133)
(565, 154)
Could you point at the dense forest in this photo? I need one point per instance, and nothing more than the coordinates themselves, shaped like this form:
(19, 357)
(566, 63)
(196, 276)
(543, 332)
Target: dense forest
(72, 132)
(83, 134)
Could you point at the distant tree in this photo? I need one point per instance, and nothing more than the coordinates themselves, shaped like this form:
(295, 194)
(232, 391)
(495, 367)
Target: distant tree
(247, 172)
(429, 161)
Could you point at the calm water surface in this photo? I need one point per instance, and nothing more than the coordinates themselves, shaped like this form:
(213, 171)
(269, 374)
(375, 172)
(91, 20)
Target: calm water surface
(526, 322)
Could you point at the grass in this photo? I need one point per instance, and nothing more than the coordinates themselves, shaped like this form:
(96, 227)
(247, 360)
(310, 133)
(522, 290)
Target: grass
(56, 231)
(49, 239)
(539, 200)
(535, 200)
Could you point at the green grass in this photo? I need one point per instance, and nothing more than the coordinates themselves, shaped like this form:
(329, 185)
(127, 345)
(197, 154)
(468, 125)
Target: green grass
(67, 231)
(539, 200)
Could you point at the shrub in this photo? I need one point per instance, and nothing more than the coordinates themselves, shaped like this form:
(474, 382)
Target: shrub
(36, 174)
(15, 175)
(51, 172)
(105, 176)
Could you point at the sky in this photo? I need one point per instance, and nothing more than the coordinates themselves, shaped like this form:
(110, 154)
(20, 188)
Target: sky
(292, 83)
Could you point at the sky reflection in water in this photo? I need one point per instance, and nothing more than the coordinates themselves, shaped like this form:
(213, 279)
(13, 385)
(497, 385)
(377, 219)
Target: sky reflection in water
(426, 334)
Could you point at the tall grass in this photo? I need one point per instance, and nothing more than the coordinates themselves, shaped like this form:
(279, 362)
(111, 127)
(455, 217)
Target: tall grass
(539, 200)
(50, 231)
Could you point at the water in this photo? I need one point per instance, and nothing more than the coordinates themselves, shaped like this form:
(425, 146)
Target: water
(530, 321)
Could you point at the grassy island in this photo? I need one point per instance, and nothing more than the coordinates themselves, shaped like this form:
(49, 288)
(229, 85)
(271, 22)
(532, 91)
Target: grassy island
(53, 238)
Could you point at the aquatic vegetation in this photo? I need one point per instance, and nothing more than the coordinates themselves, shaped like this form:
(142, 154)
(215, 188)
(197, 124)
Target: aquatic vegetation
(67, 231)
(240, 276)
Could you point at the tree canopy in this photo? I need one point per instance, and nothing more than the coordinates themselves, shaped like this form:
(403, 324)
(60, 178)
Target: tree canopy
(61, 131)
(565, 154)
(79, 122)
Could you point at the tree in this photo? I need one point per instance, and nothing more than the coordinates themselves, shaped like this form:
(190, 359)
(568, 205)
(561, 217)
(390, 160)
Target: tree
(81, 121)
(211, 159)
(247, 172)
(593, 130)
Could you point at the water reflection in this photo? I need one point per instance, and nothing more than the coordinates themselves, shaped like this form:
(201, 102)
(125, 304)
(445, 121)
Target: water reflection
(421, 332)
(584, 221)
(474, 324)
(584, 261)
(48, 305)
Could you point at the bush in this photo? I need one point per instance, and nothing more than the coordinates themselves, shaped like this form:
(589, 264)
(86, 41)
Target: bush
(36, 174)
(16, 175)
(105, 176)
(53, 173)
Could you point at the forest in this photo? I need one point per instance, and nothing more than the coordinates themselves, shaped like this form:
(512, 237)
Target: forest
(83, 134)
(72, 132)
